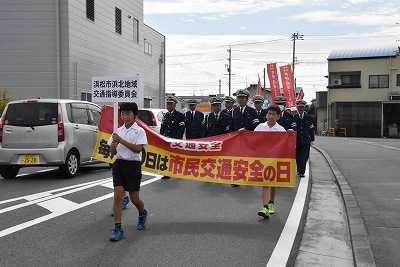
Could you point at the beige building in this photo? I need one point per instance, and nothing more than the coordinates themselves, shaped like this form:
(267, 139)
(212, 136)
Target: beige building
(364, 91)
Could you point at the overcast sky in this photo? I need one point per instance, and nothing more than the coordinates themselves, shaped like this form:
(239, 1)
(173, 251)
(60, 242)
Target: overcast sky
(199, 33)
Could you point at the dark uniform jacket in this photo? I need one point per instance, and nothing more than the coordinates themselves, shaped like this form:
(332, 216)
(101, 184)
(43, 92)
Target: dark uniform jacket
(262, 117)
(214, 127)
(194, 124)
(304, 129)
(173, 125)
(227, 112)
(287, 121)
(247, 120)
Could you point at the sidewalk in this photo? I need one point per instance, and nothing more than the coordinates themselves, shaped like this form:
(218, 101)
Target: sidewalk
(326, 239)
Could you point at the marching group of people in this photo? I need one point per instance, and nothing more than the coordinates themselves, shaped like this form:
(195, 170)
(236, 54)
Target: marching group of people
(237, 116)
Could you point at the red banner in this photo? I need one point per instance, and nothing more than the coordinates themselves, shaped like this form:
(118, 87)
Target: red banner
(273, 81)
(301, 94)
(233, 158)
(287, 84)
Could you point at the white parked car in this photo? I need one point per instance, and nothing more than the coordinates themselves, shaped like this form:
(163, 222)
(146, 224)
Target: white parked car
(152, 117)
(47, 132)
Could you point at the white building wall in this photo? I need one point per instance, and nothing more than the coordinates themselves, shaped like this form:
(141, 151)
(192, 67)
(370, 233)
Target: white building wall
(28, 48)
(367, 67)
(86, 49)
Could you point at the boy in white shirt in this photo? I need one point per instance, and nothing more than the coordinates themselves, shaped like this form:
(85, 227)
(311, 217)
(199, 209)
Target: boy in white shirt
(268, 193)
(127, 144)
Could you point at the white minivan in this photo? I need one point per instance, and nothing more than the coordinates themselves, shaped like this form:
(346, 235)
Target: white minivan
(47, 132)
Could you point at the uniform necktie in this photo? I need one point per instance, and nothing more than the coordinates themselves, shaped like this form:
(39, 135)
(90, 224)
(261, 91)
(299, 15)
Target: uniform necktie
(193, 113)
(301, 116)
(230, 113)
(258, 113)
(216, 117)
(241, 110)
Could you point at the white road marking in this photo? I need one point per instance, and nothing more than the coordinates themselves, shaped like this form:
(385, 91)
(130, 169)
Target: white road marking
(57, 205)
(71, 206)
(50, 196)
(280, 255)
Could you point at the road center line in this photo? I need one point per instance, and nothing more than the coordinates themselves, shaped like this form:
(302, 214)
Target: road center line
(280, 255)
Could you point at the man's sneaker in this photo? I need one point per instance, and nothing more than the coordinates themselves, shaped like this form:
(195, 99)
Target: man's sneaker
(142, 221)
(117, 234)
(271, 208)
(302, 175)
(125, 202)
(264, 213)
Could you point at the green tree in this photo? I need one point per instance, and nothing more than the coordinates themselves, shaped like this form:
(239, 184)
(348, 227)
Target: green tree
(4, 99)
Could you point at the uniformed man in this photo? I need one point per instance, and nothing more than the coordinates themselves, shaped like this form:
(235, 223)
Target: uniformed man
(194, 121)
(286, 119)
(258, 102)
(244, 117)
(229, 103)
(217, 122)
(305, 136)
(173, 123)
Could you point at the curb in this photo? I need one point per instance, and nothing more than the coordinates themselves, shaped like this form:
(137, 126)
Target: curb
(362, 252)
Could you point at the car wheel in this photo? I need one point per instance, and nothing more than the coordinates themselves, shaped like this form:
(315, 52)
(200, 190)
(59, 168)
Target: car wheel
(70, 167)
(9, 172)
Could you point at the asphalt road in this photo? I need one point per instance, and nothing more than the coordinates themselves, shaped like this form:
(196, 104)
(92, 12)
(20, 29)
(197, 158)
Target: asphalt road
(49, 221)
(371, 167)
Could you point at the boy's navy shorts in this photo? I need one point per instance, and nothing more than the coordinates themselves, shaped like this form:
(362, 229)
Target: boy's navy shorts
(127, 174)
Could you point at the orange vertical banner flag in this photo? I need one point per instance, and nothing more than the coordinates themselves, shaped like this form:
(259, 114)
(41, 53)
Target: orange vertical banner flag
(273, 81)
(287, 85)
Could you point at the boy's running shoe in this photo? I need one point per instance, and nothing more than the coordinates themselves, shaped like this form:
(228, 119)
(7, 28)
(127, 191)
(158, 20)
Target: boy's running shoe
(124, 204)
(264, 213)
(271, 208)
(142, 221)
(117, 234)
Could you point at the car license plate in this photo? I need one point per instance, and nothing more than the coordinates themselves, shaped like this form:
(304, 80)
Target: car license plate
(28, 159)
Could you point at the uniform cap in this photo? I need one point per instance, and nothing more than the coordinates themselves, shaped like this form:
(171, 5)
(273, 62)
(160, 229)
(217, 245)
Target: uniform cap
(242, 92)
(229, 99)
(301, 103)
(280, 100)
(192, 102)
(258, 98)
(171, 99)
(215, 100)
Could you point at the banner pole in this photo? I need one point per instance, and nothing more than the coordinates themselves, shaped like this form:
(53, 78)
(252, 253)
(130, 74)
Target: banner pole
(115, 117)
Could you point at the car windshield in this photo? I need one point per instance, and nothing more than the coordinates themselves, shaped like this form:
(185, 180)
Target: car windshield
(146, 117)
(31, 114)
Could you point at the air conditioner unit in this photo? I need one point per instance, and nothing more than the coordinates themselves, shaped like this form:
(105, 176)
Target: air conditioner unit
(337, 82)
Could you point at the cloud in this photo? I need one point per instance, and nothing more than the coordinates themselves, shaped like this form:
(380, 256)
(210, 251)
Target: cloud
(214, 7)
(382, 17)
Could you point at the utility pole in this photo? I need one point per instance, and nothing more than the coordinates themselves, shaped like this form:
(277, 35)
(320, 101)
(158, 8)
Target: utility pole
(264, 85)
(219, 86)
(295, 36)
(229, 68)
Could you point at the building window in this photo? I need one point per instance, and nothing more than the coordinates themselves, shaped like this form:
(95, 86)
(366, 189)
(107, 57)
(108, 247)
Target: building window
(90, 9)
(379, 81)
(118, 20)
(86, 96)
(350, 79)
(398, 80)
(136, 31)
(148, 48)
